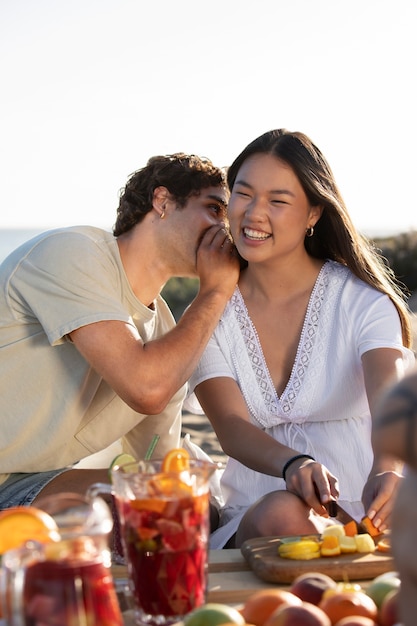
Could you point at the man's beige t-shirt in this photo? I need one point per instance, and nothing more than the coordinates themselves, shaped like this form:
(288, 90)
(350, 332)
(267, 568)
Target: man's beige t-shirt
(55, 409)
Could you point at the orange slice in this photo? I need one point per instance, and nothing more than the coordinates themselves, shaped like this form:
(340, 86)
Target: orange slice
(384, 545)
(372, 530)
(24, 523)
(176, 460)
(330, 546)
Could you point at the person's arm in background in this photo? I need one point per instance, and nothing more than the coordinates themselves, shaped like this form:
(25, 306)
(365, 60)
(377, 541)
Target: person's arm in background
(382, 367)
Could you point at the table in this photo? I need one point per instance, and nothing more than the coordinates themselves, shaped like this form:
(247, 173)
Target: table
(230, 579)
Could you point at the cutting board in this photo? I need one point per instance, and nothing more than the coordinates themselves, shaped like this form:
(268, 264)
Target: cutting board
(262, 557)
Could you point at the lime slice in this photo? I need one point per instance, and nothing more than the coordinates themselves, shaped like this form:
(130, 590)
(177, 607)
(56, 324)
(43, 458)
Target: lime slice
(121, 459)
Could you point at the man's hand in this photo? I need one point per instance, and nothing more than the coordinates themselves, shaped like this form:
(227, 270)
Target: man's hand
(217, 262)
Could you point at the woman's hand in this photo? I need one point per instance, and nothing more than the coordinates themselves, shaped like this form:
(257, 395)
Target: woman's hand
(378, 497)
(312, 482)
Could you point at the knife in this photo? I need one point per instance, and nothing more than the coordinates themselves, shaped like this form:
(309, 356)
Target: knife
(337, 512)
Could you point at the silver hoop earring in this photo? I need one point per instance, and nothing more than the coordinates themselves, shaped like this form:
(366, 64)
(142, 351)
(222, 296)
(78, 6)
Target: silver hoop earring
(310, 231)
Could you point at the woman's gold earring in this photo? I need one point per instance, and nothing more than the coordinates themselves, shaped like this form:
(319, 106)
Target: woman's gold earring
(310, 231)
(161, 217)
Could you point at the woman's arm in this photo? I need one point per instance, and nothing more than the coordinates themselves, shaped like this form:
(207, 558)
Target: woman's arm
(382, 367)
(225, 407)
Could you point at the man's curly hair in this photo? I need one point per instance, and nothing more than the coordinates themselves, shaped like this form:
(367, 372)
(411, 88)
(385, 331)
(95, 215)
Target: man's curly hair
(182, 174)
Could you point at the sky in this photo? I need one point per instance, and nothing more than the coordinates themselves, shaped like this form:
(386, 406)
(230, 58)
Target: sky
(90, 89)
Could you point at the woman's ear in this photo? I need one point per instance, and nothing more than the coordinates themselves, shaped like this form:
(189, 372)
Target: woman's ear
(316, 212)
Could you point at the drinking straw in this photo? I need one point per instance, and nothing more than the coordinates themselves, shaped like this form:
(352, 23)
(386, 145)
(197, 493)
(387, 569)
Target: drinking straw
(152, 446)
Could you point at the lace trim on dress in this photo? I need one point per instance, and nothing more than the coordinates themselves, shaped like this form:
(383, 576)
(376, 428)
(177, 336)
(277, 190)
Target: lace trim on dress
(318, 314)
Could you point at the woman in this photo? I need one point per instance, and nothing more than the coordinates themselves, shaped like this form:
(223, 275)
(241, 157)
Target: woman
(316, 328)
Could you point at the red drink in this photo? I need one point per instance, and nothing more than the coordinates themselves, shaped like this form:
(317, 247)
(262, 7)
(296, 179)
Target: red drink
(70, 592)
(165, 544)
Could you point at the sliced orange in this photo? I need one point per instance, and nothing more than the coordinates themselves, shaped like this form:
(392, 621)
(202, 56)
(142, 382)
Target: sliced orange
(176, 460)
(24, 523)
(372, 530)
(384, 545)
(330, 546)
(351, 528)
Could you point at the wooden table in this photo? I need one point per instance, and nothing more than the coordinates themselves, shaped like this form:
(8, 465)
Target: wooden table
(230, 580)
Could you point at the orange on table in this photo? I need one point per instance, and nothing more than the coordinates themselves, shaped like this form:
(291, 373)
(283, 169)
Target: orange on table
(330, 546)
(24, 523)
(176, 460)
(384, 544)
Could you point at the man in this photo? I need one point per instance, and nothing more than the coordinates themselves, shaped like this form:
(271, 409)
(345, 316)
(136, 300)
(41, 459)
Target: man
(89, 351)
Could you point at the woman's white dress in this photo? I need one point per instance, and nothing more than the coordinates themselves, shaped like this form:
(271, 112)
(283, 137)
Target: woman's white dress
(324, 410)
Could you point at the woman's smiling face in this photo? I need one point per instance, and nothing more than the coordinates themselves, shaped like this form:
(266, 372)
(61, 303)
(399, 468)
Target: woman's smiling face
(268, 209)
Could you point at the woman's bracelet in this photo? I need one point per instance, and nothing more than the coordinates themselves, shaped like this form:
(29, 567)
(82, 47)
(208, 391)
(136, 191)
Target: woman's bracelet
(292, 459)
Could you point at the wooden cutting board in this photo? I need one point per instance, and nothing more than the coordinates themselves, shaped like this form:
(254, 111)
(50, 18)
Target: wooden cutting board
(262, 557)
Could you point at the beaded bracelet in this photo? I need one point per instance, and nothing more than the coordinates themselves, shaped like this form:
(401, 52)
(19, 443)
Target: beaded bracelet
(292, 459)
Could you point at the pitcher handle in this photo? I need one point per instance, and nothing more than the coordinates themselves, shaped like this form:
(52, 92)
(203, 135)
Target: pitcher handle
(96, 489)
(12, 580)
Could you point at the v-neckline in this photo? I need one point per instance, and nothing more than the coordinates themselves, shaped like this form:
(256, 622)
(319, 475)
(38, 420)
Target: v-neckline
(301, 341)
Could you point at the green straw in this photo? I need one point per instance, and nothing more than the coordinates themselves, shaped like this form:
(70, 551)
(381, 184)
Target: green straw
(152, 446)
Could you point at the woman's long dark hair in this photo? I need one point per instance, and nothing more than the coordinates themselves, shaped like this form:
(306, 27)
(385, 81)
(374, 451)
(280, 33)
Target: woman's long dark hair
(335, 236)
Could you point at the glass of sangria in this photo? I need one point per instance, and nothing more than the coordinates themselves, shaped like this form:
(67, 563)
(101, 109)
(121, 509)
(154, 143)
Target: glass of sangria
(66, 582)
(164, 515)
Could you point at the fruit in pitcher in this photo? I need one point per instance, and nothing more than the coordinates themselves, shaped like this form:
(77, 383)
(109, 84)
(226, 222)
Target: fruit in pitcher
(176, 460)
(310, 587)
(25, 523)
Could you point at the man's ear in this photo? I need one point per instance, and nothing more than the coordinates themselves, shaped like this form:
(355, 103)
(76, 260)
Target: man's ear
(160, 197)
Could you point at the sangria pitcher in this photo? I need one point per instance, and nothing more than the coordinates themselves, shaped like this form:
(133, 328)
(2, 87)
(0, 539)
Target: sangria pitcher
(164, 517)
(65, 582)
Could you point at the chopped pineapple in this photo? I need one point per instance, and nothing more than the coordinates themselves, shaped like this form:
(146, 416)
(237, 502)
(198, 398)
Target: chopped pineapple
(334, 529)
(365, 543)
(347, 545)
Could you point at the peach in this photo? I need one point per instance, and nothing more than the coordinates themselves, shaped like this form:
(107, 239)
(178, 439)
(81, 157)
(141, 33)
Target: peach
(356, 620)
(306, 614)
(311, 586)
(261, 604)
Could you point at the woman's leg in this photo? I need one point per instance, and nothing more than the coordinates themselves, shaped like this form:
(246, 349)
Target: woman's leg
(279, 513)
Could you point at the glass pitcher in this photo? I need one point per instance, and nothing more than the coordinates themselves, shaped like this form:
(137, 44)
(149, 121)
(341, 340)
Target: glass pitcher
(164, 518)
(66, 582)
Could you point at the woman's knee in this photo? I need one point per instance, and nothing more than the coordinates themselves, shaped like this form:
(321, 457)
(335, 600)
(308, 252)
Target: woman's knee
(277, 513)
